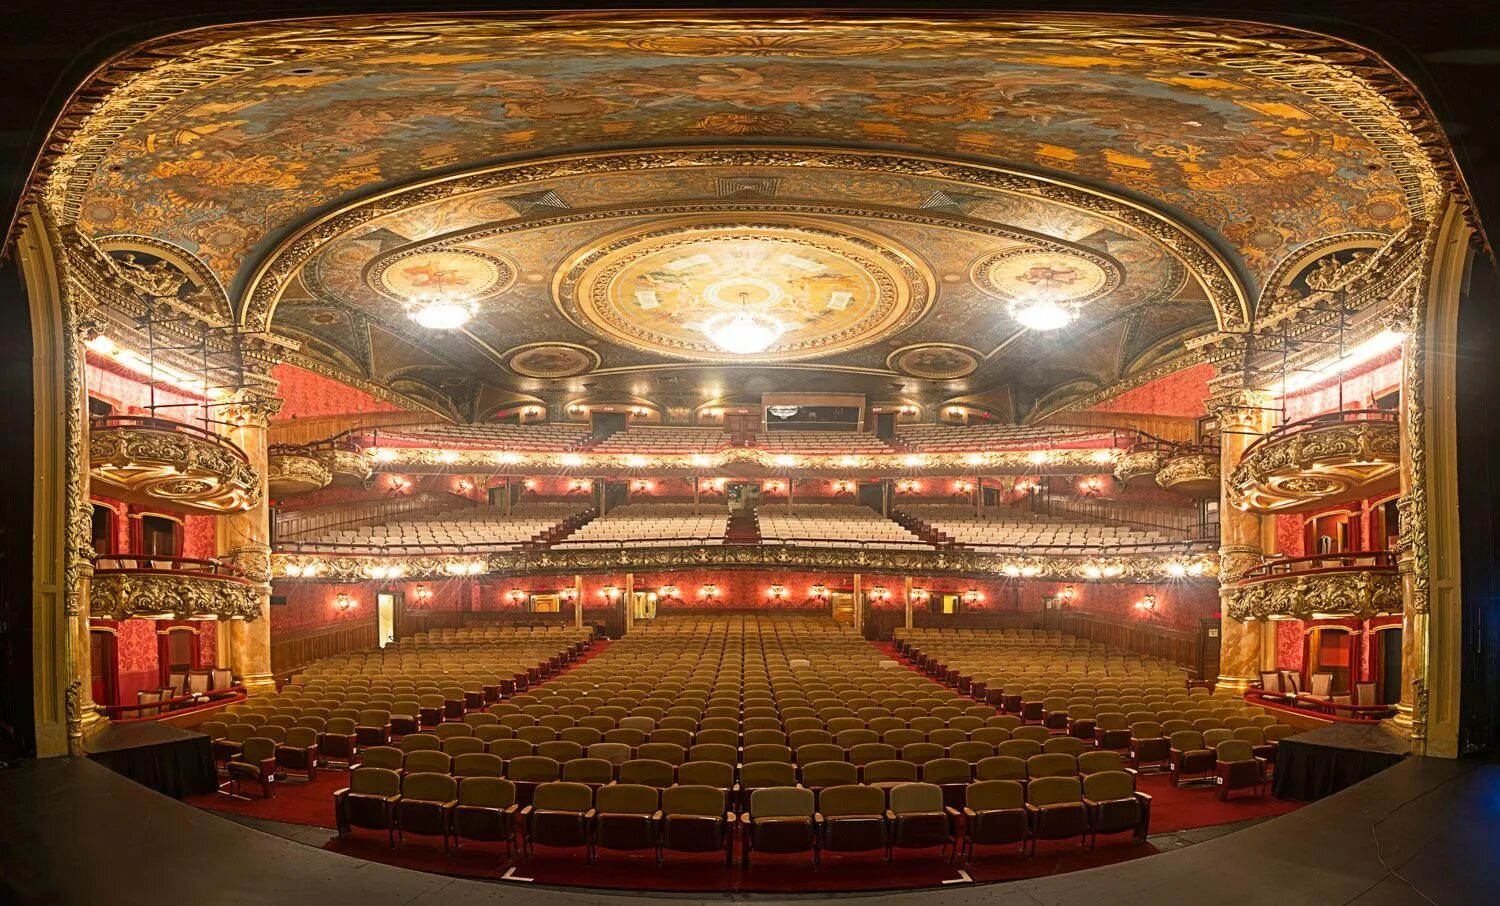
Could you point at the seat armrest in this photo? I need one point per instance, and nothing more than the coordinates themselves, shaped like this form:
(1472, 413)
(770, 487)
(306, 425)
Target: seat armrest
(526, 812)
(656, 815)
(591, 814)
(952, 812)
(970, 813)
(890, 815)
(1143, 798)
(1032, 810)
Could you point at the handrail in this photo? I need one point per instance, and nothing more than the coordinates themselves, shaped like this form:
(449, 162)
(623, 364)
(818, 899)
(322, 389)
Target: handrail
(1322, 708)
(1320, 421)
(213, 697)
(381, 509)
(153, 423)
(1102, 549)
(190, 566)
(1348, 560)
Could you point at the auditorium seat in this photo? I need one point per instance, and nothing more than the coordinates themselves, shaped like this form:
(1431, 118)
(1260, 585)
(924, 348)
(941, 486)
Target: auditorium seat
(1115, 806)
(995, 814)
(918, 818)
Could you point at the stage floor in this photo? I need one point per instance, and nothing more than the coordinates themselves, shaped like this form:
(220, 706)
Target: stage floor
(75, 833)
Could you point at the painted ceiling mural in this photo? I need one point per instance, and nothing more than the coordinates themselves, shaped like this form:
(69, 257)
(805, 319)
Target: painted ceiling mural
(598, 282)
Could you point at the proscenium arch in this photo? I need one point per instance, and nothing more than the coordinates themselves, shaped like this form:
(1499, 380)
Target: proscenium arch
(1195, 247)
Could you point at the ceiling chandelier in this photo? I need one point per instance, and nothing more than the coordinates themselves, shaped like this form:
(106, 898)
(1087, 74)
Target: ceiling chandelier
(1042, 313)
(441, 309)
(743, 332)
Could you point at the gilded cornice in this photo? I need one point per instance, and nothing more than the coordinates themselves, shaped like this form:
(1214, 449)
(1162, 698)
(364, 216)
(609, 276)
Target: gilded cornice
(1192, 564)
(123, 595)
(1354, 593)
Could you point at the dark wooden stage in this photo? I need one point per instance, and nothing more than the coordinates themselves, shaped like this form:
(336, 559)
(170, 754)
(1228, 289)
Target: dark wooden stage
(73, 832)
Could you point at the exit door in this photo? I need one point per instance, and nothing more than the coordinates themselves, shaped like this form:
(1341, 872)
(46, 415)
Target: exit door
(385, 611)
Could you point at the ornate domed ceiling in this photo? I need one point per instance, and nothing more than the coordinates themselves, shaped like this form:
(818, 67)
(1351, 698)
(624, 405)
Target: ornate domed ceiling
(609, 189)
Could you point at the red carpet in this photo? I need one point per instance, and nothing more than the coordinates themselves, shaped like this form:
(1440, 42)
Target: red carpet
(1172, 810)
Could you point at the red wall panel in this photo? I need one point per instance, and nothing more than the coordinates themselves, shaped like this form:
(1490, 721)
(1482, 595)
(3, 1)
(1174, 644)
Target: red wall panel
(1180, 393)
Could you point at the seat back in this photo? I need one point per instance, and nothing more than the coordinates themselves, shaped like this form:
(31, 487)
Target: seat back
(850, 800)
(912, 798)
(990, 795)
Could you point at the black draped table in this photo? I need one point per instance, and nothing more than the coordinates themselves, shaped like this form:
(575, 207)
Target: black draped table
(167, 759)
(1321, 762)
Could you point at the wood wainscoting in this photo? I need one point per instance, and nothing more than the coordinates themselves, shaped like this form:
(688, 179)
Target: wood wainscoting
(880, 624)
(297, 650)
(1176, 645)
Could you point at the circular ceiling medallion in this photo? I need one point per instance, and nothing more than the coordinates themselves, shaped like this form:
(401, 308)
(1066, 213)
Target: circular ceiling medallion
(934, 361)
(458, 270)
(828, 287)
(552, 360)
(1060, 276)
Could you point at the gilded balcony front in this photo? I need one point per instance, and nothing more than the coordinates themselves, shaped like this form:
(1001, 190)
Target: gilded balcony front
(294, 469)
(1357, 585)
(169, 464)
(1193, 471)
(170, 588)
(1319, 461)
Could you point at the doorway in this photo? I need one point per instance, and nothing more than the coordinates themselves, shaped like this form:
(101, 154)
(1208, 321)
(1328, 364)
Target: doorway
(103, 666)
(1385, 666)
(385, 618)
(1331, 650)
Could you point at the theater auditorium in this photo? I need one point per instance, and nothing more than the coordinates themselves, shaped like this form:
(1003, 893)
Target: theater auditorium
(1021, 454)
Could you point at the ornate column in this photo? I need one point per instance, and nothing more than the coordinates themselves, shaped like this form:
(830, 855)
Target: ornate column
(629, 601)
(83, 715)
(908, 602)
(577, 602)
(859, 605)
(245, 539)
(1244, 415)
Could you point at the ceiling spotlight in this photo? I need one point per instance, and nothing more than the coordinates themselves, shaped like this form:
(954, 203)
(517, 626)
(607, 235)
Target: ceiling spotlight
(1041, 314)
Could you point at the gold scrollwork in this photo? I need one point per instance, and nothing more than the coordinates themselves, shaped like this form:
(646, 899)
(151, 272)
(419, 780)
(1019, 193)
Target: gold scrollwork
(1356, 593)
(296, 472)
(1319, 465)
(178, 595)
(160, 465)
(1194, 473)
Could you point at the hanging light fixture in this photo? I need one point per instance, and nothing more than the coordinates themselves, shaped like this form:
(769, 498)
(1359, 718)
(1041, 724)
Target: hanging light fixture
(743, 332)
(1040, 313)
(439, 308)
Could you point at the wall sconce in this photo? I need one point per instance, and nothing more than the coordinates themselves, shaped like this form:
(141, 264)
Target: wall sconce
(963, 487)
(908, 486)
(609, 593)
(774, 487)
(843, 486)
(641, 486)
(920, 596)
(580, 485)
(879, 593)
(667, 591)
(708, 592)
(529, 484)
(776, 592)
(1091, 486)
(638, 411)
(714, 484)
(1147, 604)
(818, 592)
(516, 595)
(972, 596)
(344, 602)
(568, 593)
(421, 594)
(1028, 486)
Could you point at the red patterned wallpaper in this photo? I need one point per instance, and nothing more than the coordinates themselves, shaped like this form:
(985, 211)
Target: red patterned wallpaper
(310, 395)
(129, 394)
(137, 653)
(200, 536)
(1180, 393)
(311, 606)
(1361, 385)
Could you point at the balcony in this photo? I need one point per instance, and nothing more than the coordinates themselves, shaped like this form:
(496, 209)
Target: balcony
(1192, 470)
(294, 469)
(170, 588)
(1137, 468)
(1307, 464)
(344, 460)
(1358, 585)
(171, 465)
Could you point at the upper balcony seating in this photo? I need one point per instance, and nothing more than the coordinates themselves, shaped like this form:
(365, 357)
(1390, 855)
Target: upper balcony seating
(518, 438)
(664, 440)
(1002, 527)
(658, 525)
(944, 438)
(834, 525)
(478, 529)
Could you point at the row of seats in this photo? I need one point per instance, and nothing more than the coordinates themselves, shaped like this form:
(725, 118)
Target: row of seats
(520, 438)
(821, 442)
(695, 818)
(1023, 531)
(835, 525)
(664, 440)
(656, 524)
(943, 438)
(480, 528)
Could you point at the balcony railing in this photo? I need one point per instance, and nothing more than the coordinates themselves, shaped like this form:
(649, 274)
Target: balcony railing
(177, 588)
(1360, 585)
(1313, 462)
(174, 465)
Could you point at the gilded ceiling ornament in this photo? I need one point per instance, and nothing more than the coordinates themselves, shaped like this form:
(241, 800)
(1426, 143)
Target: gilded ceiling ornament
(934, 361)
(551, 360)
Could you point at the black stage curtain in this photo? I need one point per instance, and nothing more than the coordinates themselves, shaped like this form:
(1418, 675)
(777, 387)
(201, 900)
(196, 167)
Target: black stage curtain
(1319, 763)
(182, 765)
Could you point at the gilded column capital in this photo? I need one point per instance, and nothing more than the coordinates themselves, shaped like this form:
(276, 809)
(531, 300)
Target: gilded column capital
(1237, 559)
(251, 408)
(1242, 408)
